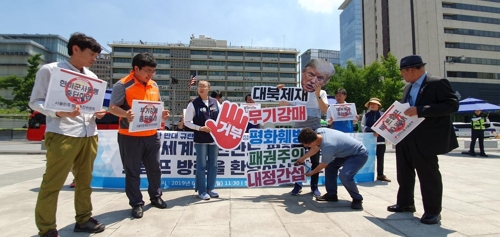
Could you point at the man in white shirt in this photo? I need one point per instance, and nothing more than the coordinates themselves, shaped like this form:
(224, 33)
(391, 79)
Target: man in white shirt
(71, 140)
(315, 75)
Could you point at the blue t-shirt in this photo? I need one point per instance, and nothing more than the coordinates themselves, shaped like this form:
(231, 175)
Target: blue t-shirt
(343, 126)
(338, 144)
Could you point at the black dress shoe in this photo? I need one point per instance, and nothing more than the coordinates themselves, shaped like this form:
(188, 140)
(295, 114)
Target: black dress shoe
(137, 211)
(430, 219)
(159, 203)
(327, 197)
(399, 208)
(483, 155)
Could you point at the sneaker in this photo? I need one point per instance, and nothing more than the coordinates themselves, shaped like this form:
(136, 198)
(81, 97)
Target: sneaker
(357, 204)
(204, 196)
(296, 189)
(91, 226)
(159, 203)
(316, 193)
(328, 197)
(213, 194)
(72, 185)
(51, 233)
(383, 178)
(137, 211)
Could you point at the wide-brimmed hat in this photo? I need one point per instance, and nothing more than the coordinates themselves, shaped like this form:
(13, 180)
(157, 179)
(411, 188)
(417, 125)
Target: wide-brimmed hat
(374, 101)
(411, 61)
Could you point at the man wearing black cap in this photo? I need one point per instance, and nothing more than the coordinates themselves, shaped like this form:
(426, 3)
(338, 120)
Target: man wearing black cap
(433, 99)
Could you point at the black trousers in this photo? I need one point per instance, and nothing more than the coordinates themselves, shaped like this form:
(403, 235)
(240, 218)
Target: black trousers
(475, 134)
(314, 163)
(380, 159)
(408, 159)
(133, 152)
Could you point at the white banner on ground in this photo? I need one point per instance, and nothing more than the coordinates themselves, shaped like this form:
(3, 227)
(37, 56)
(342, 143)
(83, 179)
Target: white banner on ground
(343, 112)
(147, 115)
(394, 125)
(68, 89)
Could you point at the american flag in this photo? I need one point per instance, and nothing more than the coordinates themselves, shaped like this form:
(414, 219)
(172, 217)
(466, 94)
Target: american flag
(193, 81)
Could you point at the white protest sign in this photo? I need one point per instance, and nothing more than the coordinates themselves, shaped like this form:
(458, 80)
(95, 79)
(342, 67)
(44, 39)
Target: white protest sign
(282, 114)
(343, 112)
(147, 115)
(68, 89)
(249, 106)
(394, 125)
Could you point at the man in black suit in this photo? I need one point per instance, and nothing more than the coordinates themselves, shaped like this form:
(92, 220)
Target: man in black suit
(433, 99)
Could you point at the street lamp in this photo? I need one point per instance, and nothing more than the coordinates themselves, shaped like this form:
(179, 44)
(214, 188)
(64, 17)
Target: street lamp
(452, 60)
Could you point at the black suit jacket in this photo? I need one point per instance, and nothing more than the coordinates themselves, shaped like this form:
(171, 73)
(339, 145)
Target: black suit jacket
(436, 101)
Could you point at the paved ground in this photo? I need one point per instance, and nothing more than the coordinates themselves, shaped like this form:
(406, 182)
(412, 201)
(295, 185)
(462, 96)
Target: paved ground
(470, 205)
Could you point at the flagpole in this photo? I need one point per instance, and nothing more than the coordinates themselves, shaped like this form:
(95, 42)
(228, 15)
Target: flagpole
(173, 109)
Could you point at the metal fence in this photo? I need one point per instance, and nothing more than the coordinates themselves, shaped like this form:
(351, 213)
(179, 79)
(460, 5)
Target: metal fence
(11, 121)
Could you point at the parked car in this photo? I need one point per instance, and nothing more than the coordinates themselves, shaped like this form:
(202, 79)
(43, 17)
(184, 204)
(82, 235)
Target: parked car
(464, 130)
(494, 125)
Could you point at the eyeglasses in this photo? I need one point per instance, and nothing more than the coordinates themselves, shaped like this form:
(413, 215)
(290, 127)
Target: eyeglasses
(149, 71)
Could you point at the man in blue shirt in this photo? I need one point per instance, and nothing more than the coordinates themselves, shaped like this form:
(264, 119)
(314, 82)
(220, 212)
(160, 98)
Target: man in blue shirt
(346, 126)
(337, 150)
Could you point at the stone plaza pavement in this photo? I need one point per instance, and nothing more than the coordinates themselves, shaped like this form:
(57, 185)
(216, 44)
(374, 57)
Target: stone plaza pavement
(471, 205)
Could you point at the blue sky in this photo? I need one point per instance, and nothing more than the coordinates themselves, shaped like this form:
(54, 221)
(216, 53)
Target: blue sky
(300, 24)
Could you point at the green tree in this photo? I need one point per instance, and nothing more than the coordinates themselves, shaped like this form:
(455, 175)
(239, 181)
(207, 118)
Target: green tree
(392, 85)
(379, 79)
(22, 87)
(8, 82)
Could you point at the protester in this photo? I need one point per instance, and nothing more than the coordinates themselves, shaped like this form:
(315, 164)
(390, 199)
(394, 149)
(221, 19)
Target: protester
(71, 141)
(143, 146)
(367, 122)
(431, 98)
(338, 150)
(216, 94)
(249, 100)
(315, 75)
(346, 126)
(198, 112)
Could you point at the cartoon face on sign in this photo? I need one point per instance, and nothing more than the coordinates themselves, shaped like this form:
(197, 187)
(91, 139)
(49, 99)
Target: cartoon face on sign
(394, 123)
(79, 90)
(148, 114)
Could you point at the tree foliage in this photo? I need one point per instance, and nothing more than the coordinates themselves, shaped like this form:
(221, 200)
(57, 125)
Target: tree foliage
(379, 79)
(22, 87)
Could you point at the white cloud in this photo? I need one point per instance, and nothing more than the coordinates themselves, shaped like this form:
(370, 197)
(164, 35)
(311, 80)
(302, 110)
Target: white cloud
(321, 6)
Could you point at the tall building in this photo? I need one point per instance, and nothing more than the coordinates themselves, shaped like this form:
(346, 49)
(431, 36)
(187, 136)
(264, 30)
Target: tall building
(332, 56)
(102, 67)
(459, 39)
(233, 70)
(351, 32)
(15, 49)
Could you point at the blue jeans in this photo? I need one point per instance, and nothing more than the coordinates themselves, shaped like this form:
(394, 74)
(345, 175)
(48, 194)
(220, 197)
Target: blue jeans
(202, 151)
(351, 165)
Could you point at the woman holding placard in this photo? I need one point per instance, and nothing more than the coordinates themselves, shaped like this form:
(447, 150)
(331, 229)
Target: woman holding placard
(367, 122)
